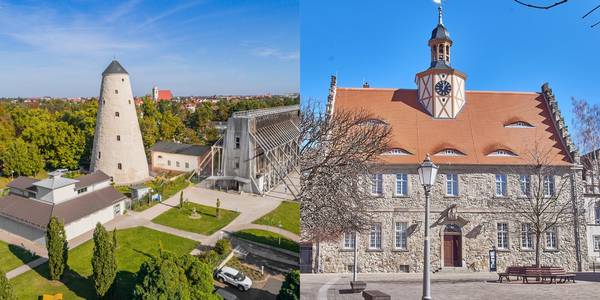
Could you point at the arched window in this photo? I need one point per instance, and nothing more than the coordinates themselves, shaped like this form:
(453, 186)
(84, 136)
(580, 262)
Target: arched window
(449, 152)
(502, 152)
(519, 124)
(396, 152)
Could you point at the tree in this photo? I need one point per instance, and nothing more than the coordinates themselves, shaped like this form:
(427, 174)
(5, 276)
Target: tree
(60, 144)
(586, 121)
(6, 290)
(20, 158)
(181, 200)
(543, 203)
(104, 261)
(218, 208)
(223, 246)
(555, 4)
(290, 288)
(200, 277)
(56, 244)
(162, 278)
(336, 155)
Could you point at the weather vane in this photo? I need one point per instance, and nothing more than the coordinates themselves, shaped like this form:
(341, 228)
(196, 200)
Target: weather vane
(439, 3)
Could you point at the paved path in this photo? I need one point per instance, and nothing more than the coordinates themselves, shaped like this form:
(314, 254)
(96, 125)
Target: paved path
(250, 207)
(449, 286)
(26, 267)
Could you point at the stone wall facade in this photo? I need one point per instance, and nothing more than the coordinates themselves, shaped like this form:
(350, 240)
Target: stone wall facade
(475, 212)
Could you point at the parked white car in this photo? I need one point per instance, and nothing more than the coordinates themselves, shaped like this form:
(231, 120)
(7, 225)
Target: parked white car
(234, 277)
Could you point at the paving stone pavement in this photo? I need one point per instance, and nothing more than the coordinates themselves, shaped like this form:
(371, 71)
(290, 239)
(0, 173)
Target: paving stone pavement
(451, 286)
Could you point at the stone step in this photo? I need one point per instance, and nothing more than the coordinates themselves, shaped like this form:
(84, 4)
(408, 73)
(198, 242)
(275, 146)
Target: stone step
(453, 270)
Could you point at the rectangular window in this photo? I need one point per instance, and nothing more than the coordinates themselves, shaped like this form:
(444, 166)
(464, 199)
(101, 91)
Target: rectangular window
(187, 165)
(548, 185)
(551, 238)
(597, 214)
(375, 237)
(116, 113)
(349, 240)
(119, 166)
(502, 235)
(116, 91)
(118, 137)
(117, 209)
(168, 163)
(177, 164)
(99, 154)
(597, 243)
(401, 235)
(237, 142)
(82, 190)
(501, 185)
(525, 185)
(236, 163)
(401, 184)
(526, 236)
(451, 184)
(377, 184)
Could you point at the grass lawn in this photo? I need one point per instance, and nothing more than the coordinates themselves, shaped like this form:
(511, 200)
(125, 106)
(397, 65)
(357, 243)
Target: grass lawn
(12, 256)
(134, 246)
(287, 214)
(267, 238)
(207, 224)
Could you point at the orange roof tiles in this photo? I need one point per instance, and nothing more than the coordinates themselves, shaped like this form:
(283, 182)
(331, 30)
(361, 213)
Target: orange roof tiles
(478, 129)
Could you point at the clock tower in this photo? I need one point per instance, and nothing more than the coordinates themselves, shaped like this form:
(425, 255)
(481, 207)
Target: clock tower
(441, 88)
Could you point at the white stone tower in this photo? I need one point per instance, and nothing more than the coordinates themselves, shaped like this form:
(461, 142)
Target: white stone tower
(118, 148)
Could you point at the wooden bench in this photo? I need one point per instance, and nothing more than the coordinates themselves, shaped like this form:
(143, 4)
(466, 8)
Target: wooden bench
(552, 274)
(511, 271)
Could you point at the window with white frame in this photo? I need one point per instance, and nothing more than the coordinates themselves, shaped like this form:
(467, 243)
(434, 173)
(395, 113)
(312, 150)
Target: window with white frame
(597, 243)
(548, 185)
(502, 229)
(451, 184)
(525, 185)
(377, 184)
(551, 237)
(237, 142)
(375, 237)
(526, 236)
(501, 185)
(349, 240)
(401, 235)
(597, 213)
(401, 184)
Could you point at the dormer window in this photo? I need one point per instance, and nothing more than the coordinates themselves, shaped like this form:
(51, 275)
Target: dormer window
(519, 124)
(396, 152)
(449, 152)
(502, 152)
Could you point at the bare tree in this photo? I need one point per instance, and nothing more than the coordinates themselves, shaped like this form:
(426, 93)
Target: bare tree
(543, 203)
(586, 121)
(555, 4)
(337, 150)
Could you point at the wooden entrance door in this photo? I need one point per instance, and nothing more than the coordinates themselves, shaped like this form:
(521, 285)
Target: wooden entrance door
(452, 251)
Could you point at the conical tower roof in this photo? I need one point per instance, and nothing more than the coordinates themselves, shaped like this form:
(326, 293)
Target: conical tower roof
(114, 68)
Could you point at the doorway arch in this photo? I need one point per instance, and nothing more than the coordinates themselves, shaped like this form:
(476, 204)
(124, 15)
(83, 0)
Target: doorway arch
(452, 245)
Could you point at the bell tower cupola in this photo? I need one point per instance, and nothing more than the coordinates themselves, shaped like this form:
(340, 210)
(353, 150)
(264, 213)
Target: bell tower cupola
(441, 88)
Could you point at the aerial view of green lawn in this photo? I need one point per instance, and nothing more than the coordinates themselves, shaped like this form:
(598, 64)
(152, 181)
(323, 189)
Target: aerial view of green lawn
(134, 246)
(287, 214)
(205, 222)
(268, 238)
(12, 256)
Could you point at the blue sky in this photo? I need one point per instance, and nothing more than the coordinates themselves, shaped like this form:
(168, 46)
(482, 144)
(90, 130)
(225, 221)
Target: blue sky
(60, 48)
(500, 45)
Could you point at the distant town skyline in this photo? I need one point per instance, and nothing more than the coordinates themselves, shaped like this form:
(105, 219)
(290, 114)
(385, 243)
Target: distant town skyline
(60, 48)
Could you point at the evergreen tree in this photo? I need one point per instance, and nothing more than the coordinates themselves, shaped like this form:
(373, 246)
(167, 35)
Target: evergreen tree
(104, 263)
(181, 199)
(290, 289)
(6, 291)
(199, 275)
(56, 244)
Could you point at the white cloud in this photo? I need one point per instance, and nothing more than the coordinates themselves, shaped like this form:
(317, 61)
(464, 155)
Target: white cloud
(169, 12)
(122, 10)
(275, 53)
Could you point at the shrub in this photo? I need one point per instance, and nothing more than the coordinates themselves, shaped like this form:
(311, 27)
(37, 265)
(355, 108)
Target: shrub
(223, 246)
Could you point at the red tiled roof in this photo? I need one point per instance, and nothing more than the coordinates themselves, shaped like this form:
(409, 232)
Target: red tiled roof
(165, 95)
(477, 130)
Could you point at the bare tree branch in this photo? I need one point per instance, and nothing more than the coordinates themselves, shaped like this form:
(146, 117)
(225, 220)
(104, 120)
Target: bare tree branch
(591, 11)
(542, 6)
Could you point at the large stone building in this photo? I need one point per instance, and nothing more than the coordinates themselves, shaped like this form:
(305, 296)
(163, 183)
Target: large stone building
(481, 141)
(591, 179)
(118, 147)
(257, 151)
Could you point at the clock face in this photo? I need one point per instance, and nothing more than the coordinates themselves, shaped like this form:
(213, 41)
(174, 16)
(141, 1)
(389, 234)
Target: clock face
(443, 88)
